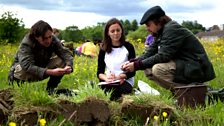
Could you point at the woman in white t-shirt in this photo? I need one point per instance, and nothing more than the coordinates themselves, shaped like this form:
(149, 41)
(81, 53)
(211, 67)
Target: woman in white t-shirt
(113, 53)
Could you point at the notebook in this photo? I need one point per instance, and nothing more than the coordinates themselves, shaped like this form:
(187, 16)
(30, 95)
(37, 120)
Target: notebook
(115, 82)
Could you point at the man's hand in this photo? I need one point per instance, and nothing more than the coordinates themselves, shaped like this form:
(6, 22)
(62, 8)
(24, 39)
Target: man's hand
(68, 69)
(128, 67)
(59, 71)
(123, 66)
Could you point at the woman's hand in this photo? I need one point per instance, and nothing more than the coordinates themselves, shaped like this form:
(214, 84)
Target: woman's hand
(110, 77)
(122, 78)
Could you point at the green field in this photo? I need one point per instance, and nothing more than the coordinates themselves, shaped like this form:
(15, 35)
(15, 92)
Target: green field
(33, 94)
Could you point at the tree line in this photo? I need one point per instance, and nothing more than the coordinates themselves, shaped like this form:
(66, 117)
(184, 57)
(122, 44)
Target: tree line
(12, 30)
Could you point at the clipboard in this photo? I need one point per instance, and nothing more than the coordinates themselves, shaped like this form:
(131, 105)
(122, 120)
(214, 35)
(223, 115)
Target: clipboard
(115, 82)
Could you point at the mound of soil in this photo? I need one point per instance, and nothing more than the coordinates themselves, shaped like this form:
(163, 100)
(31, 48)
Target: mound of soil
(6, 105)
(92, 111)
(142, 111)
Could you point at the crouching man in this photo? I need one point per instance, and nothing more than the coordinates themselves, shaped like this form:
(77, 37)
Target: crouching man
(34, 62)
(176, 57)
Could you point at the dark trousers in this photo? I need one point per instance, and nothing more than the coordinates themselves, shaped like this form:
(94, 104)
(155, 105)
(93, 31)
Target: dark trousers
(53, 83)
(117, 90)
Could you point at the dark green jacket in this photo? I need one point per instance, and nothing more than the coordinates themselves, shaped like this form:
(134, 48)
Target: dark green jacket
(179, 44)
(34, 58)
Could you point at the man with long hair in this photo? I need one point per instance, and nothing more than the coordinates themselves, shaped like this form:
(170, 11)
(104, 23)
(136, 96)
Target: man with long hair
(176, 57)
(34, 62)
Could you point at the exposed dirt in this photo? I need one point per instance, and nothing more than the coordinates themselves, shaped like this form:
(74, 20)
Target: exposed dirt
(6, 104)
(92, 111)
(142, 111)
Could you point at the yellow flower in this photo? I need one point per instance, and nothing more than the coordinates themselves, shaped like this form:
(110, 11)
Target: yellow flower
(165, 114)
(139, 40)
(12, 124)
(156, 117)
(42, 122)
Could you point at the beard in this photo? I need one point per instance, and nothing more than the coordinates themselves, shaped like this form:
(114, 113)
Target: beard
(154, 34)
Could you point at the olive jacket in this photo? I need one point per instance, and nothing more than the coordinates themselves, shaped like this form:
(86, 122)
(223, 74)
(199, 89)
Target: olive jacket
(177, 43)
(34, 58)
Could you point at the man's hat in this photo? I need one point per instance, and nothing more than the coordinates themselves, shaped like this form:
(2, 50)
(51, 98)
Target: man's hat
(152, 13)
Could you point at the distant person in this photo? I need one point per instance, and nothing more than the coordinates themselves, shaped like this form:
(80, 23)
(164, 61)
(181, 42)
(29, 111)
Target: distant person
(34, 62)
(78, 50)
(176, 57)
(149, 40)
(114, 52)
(98, 42)
(88, 49)
(56, 33)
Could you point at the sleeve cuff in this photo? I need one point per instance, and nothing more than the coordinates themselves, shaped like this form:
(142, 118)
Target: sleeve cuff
(137, 64)
(133, 60)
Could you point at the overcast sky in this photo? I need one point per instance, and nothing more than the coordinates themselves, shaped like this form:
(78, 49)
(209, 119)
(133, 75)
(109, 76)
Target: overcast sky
(82, 13)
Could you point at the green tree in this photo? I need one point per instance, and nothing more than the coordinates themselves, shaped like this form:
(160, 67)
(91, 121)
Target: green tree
(127, 26)
(87, 33)
(97, 33)
(72, 33)
(195, 27)
(140, 33)
(11, 28)
(134, 25)
(94, 32)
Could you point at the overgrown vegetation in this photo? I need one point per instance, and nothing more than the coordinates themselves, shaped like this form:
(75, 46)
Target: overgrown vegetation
(11, 28)
(83, 80)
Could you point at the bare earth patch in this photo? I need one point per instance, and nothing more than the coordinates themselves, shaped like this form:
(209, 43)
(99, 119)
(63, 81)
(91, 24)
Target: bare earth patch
(92, 111)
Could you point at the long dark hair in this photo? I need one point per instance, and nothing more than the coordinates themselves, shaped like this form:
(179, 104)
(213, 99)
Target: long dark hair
(39, 29)
(107, 42)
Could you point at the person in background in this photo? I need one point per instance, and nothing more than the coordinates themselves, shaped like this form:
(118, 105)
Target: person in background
(149, 40)
(89, 49)
(114, 51)
(56, 33)
(34, 62)
(175, 58)
(78, 50)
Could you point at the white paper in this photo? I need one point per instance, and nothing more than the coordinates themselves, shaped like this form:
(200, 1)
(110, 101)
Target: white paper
(145, 88)
(115, 82)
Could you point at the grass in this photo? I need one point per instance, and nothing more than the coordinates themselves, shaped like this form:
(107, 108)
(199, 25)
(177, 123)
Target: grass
(32, 94)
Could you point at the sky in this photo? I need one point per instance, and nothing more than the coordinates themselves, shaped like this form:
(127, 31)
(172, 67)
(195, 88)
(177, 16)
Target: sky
(82, 13)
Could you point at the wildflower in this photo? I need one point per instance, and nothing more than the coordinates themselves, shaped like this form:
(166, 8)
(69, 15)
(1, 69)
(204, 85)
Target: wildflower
(139, 40)
(174, 123)
(156, 117)
(12, 124)
(42, 122)
(164, 114)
